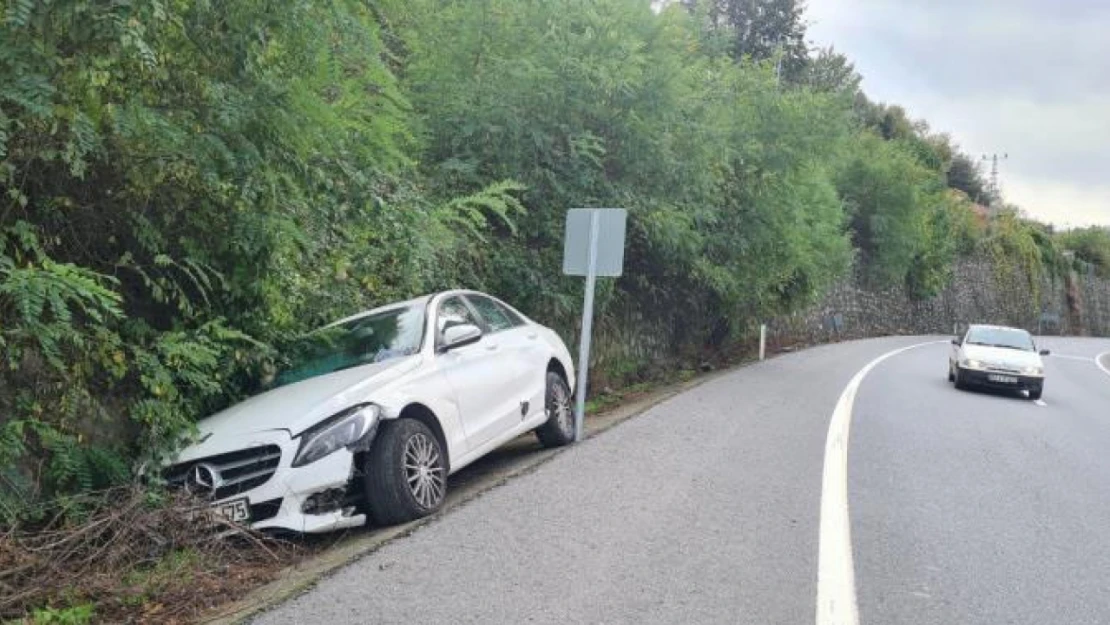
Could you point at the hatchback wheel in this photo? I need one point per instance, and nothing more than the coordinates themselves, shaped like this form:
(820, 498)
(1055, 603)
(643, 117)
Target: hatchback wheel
(405, 473)
(960, 379)
(558, 430)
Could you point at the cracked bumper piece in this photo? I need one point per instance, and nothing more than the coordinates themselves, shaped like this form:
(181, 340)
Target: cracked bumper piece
(306, 499)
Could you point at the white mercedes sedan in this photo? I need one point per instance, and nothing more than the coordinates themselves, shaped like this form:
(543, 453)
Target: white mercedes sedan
(997, 357)
(373, 412)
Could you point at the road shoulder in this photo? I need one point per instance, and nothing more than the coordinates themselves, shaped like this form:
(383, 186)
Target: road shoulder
(516, 458)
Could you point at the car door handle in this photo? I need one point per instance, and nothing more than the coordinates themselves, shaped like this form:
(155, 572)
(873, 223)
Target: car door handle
(532, 335)
(492, 347)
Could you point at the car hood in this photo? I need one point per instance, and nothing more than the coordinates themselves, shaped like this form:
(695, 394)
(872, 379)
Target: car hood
(297, 407)
(1001, 356)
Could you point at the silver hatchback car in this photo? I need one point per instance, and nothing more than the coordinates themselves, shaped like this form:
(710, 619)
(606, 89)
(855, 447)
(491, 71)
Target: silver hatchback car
(997, 357)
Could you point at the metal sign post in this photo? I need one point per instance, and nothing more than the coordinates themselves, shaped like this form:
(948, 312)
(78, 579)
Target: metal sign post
(594, 246)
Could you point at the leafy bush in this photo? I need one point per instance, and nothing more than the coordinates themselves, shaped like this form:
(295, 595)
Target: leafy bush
(1090, 245)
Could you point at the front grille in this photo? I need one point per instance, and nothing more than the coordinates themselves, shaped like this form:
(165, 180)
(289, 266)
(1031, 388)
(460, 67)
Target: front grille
(1001, 369)
(236, 472)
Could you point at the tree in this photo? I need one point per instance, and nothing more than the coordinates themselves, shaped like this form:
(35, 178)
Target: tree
(758, 29)
(890, 197)
(964, 174)
(832, 72)
(1090, 245)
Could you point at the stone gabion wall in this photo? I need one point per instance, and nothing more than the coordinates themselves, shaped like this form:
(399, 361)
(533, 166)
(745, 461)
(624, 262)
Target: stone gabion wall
(632, 343)
(1094, 302)
(979, 293)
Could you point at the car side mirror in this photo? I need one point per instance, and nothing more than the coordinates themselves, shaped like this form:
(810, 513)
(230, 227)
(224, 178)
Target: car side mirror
(1045, 352)
(460, 335)
(956, 342)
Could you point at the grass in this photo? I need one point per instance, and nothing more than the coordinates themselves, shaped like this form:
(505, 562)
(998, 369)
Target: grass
(74, 615)
(613, 398)
(143, 582)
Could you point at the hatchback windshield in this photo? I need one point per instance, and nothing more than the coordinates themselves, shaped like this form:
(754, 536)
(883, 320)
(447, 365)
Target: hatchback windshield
(1000, 337)
(392, 333)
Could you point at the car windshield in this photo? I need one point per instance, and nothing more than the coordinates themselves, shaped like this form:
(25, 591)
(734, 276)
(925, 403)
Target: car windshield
(1000, 337)
(392, 333)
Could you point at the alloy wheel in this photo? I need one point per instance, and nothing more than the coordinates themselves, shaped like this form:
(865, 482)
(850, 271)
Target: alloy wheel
(558, 407)
(424, 472)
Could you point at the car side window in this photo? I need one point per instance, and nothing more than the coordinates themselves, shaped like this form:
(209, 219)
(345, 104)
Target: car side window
(512, 314)
(453, 311)
(493, 314)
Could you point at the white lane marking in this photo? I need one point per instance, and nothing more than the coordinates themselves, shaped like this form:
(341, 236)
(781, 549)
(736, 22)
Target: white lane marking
(1098, 361)
(836, 575)
(1040, 402)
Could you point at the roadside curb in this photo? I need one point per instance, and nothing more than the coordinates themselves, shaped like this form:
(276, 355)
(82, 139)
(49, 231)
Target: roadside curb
(303, 576)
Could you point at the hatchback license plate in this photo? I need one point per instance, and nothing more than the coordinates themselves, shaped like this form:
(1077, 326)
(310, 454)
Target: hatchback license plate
(236, 510)
(1002, 379)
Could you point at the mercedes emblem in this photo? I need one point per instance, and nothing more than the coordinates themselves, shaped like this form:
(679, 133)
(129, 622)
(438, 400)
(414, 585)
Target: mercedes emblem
(203, 479)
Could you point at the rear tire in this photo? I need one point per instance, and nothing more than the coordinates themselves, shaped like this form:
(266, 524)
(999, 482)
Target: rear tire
(951, 376)
(559, 428)
(405, 473)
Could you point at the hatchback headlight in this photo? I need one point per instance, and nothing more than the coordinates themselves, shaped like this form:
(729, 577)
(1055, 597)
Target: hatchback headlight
(1033, 371)
(335, 433)
(973, 364)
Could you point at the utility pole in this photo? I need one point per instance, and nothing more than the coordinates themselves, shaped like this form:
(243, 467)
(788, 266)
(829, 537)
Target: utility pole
(995, 188)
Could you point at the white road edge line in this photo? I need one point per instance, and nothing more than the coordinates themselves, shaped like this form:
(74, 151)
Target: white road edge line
(1098, 361)
(836, 575)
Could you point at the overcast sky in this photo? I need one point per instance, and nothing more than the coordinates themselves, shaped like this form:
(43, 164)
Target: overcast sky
(1030, 78)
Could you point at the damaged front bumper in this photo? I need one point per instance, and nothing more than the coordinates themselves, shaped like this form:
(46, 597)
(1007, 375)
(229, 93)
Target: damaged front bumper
(257, 486)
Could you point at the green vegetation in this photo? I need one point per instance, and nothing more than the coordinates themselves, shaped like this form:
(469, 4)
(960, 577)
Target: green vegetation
(1091, 246)
(76, 615)
(186, 185)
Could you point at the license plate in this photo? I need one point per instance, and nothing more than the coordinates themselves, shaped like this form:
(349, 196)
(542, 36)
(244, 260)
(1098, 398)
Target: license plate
(236, 510)
(1002, 379)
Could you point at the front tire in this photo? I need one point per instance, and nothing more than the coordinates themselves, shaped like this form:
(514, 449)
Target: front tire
(1035, 393)
(559, 428)
(961, 383)
(405, 473)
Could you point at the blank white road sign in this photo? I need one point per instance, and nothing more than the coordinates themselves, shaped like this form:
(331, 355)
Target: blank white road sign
(610, 241)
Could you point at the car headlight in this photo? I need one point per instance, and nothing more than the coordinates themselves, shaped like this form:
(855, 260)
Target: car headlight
(1033, 371)
(335, 433)
(972, 364)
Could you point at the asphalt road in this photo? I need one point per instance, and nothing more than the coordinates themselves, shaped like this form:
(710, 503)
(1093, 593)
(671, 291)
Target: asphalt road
(980, 507)
(966, 508)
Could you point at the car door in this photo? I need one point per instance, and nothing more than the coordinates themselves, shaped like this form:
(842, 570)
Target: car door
(522, 350)
(479, 374)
